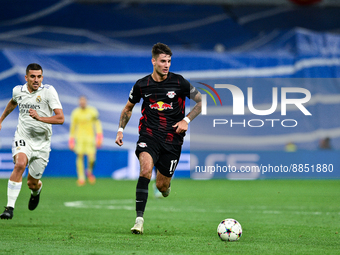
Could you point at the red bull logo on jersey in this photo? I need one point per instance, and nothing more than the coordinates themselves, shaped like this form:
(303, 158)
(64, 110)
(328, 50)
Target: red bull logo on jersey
(160, 106)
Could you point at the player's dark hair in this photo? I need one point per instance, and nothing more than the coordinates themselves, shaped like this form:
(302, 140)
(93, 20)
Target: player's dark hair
(33, 66)
(160, 48)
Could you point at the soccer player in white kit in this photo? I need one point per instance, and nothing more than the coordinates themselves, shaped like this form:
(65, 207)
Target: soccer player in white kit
(32, 139)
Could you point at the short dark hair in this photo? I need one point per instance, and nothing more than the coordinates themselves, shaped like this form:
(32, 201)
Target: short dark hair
(160, 48)
(33, 66)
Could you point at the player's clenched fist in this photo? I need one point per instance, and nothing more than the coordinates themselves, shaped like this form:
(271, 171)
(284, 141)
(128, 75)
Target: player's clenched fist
(119, 138)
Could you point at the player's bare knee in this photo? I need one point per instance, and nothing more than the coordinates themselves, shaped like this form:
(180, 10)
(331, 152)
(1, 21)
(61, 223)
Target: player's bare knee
(145, 174)
(19, 167)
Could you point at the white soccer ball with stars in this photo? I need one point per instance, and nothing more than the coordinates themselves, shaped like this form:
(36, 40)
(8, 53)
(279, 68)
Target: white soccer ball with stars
(229, 230)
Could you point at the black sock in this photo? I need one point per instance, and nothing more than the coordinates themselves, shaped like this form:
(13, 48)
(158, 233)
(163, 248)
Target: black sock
(141, 195)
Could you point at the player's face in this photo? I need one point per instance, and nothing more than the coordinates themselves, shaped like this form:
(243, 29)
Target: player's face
(82, 102)
(161, 64)
(34, 79)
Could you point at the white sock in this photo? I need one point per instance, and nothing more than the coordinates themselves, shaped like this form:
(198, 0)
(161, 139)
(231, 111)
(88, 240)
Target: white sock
(13, 191)
(37, 192)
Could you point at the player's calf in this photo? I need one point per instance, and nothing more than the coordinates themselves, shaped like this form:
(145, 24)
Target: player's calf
(167, 192)
(164, 188)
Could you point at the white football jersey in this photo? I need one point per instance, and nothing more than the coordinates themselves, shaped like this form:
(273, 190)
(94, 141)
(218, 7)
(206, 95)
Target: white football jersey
(44, 101)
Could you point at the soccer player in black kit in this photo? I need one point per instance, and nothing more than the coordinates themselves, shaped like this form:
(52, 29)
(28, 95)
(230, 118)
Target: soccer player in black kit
(161, 127)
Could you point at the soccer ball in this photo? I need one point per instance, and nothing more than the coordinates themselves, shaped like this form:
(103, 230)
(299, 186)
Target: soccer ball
(229, 230)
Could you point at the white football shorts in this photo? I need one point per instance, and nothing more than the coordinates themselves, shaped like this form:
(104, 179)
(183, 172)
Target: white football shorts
(37, 159)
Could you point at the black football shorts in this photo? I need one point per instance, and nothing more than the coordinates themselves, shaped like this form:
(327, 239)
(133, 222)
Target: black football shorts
(165, 156)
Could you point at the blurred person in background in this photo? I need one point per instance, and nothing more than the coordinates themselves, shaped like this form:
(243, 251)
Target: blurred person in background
(290, 147)
(325, 144)
(86, 135)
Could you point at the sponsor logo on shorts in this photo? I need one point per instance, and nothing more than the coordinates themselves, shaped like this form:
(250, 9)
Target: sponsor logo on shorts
(143, 145)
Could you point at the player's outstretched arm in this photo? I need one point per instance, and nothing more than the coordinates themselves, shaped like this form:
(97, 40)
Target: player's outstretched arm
(124, 119)
(9, 108)
(196, 110)
(57, 118)
(182, 125)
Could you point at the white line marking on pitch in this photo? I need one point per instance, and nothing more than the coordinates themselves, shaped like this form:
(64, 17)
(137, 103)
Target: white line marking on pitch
(129, 205)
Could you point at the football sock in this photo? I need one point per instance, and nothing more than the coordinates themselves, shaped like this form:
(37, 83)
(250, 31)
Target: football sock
(13, 191)
(80, 167)
(141, 195)
(36, 192)
(90, 164)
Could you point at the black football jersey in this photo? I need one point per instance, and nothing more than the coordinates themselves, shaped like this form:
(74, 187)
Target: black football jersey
(163, 106)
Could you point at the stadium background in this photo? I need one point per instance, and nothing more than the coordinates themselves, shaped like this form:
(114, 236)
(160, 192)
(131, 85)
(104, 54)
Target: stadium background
(100, 48)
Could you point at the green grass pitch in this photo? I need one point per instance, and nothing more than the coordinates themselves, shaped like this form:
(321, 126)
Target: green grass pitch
(277, 217)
